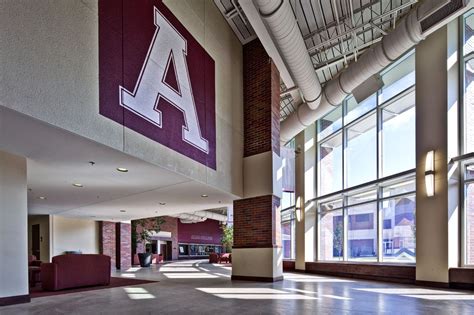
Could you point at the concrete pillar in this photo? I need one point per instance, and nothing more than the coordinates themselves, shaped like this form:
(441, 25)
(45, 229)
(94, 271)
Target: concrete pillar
(300, 193)
(257, 252)
(310, 168)
(14, 227)
(436, 217)
(305, 176)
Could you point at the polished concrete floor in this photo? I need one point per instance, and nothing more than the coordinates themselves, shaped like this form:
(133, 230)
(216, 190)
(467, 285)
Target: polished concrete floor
(196, 287)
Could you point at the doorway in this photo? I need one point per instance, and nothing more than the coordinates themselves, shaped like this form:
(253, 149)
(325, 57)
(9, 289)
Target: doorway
(166, 250)
(35, 242)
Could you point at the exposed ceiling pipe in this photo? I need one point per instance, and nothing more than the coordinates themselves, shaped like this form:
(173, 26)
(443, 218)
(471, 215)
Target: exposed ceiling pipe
(200, 216)
(282, 25)
(211, 215)
(407, 34)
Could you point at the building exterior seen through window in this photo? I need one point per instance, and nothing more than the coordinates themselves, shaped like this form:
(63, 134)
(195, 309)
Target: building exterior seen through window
(366, 181)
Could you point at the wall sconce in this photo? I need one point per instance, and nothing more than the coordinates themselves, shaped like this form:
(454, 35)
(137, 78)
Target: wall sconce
(429, 173)
(298, 209)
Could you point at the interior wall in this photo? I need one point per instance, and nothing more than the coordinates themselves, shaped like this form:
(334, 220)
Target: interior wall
(43, 221)
(54, 77)
(70, 234)
(13, 226)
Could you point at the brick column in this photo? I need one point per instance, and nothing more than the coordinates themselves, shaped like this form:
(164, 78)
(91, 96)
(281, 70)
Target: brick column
(123, 237)
(256, 253)
(107, 240)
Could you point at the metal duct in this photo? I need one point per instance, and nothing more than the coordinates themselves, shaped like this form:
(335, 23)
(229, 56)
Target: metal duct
(211, 215)
(199, 216)
(282, 25)
(407, 34)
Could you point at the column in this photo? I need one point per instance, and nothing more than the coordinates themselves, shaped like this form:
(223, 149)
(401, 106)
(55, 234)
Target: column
(257, 252)
(14, 227)
(107, 240)
(437, 241)
(305, 172)
(300, 195)
(123, 247)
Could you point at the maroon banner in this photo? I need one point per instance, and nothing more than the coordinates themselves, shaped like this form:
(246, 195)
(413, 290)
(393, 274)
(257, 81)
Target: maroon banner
(207, 232)
(155, 78)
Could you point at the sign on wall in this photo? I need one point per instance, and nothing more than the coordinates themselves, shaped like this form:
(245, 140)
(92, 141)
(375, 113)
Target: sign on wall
(155, 78)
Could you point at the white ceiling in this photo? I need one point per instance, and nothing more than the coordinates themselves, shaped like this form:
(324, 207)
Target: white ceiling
(57, 159)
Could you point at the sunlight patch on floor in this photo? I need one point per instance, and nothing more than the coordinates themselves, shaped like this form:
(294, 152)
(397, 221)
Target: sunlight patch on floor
(254, 294)
(189, 275)
(138, 293)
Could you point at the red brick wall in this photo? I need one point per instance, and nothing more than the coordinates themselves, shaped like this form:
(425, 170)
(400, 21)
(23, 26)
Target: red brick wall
(107, 240)
(261, 101)
(170, 224)
(257, 222)
(124, 245)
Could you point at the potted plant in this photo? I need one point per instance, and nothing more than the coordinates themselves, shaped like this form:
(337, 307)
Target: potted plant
(141, 233)
(227, 237)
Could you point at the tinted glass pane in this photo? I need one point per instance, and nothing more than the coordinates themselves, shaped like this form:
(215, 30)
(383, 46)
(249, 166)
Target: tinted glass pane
(398, 215)
(398, 78)
(398, 136)
(397, 188)
(333, 204)
(361, 152)
(469, 106)
(354, 109)
(469, 34)
(362, 232)
(331, 235)
(330, 165)
(470, 224)
(363, 196)
(330, 123)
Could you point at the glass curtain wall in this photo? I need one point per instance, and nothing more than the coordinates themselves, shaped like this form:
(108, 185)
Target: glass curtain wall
(365, 184)
(288, 233)
(467, 146)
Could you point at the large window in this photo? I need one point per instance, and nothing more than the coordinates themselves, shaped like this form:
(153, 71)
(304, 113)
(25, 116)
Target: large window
(365, 184)
(467, 147)
(373, 223)
(288, 233)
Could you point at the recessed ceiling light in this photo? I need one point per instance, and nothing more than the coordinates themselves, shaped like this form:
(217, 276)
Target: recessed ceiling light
(162, 203)
(122, 169)
(42, 197)
(204, 196)
(123, 210)
(77, 185)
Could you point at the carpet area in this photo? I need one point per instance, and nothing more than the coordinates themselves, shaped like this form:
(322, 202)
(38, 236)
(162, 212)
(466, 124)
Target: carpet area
(115, 282)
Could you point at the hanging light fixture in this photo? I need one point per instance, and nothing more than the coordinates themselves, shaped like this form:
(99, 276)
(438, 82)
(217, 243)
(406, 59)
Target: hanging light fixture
(429, 174)
(298, 209)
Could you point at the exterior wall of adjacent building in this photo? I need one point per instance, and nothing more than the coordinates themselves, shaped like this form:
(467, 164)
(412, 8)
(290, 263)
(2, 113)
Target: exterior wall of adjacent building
(50, 71)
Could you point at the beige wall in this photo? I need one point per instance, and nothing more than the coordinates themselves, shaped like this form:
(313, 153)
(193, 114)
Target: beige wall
(13, 228)
(43, 221)
(69, 234)
(50, 72)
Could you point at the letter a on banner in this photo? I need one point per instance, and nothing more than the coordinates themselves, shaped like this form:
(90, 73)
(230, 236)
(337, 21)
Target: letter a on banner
(167, 52)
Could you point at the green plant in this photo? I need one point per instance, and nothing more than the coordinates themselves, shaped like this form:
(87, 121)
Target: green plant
(142, 230)
(227, 237)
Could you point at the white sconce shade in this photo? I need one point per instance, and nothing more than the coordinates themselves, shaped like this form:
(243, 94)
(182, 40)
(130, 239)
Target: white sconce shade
(298, 209)
(429, 173)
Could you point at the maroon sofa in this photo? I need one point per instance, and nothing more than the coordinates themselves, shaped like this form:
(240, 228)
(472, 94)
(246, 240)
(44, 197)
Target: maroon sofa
(72, 271)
